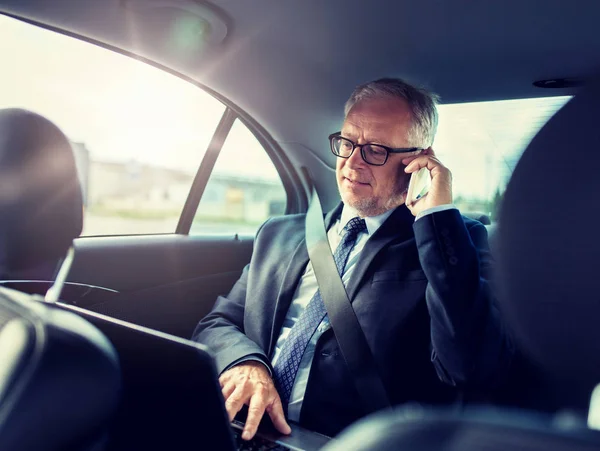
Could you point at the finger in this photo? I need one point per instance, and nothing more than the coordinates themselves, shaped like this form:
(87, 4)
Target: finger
(234, 402)
(429, 151)
(224, 378)
(416, 163)
(227, 390)
(256, 411)
(278, 418)
(223, 381)
(407, 160)
(427, 161)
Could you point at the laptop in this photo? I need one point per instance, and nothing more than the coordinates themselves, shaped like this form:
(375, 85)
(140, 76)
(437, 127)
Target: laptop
(172, 398)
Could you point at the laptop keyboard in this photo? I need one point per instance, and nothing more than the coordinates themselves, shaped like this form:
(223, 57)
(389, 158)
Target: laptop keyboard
(256, 444)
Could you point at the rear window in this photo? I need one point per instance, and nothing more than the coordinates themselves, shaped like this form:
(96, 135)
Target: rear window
(482, 142)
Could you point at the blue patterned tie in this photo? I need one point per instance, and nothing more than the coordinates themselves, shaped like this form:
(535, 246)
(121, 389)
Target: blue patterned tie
(293, 348)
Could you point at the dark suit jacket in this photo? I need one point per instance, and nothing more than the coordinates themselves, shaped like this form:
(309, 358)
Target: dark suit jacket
(419, 291)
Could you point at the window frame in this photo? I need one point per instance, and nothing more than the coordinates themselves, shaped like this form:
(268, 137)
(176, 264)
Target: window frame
(282, 166)
(295, 188)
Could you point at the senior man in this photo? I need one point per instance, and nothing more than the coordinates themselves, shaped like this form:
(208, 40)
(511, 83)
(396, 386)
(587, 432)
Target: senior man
(416, 275)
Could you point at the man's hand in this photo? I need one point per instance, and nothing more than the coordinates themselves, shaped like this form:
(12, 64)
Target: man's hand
(250, 383)
(440, 192)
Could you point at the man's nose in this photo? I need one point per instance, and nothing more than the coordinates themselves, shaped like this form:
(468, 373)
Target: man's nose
(356, 159)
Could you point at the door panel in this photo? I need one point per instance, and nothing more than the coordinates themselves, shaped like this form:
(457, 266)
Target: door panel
(165, 282)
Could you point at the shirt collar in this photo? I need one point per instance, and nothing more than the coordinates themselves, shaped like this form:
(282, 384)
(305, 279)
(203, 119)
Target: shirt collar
(373, 222)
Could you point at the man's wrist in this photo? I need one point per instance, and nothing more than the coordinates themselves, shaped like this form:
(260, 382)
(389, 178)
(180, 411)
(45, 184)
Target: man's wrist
(246, 359)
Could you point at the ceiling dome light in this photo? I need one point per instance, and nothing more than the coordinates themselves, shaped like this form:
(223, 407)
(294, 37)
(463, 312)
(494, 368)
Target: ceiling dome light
(186, 24)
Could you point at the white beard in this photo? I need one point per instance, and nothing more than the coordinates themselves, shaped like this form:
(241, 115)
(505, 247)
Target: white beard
(372, 206)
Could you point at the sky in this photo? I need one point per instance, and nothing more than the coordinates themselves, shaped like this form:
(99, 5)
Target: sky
(124, 110)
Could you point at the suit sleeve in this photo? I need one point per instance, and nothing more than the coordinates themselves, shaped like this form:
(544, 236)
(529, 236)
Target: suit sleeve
(471, 345)
(222, 330)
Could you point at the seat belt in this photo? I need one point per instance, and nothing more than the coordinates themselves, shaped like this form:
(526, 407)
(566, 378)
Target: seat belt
(349, 334)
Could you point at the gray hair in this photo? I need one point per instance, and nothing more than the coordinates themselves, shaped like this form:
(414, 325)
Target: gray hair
(421, 102)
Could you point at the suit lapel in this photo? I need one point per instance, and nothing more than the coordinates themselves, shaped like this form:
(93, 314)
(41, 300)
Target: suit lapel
(292, 276)
(332, 216)
(399, 226)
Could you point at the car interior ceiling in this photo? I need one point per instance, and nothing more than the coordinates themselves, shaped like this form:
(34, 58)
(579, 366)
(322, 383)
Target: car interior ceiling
(259, 49)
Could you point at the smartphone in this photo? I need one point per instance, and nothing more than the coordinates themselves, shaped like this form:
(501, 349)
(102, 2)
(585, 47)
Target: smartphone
(419, 185)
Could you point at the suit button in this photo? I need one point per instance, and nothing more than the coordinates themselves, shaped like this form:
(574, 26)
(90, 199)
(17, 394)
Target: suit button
(450, 250)
(453, 260)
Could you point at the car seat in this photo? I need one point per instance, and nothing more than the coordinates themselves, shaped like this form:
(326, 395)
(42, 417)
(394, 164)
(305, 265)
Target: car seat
(59, 375)
(37, 168)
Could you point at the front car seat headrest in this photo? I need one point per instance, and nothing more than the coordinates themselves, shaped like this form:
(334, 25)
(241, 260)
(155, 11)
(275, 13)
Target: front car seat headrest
(41, 208)
(548, 246)
(60, 378)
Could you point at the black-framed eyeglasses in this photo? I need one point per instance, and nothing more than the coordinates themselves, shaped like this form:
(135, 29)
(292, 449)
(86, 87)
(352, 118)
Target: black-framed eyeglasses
(374, 154)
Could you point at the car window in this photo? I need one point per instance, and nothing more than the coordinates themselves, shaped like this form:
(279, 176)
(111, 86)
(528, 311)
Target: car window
(139, 133)
(244, 188)
(482, 142)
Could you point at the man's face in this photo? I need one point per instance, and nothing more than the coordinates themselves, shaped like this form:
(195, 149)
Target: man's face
(372, 190)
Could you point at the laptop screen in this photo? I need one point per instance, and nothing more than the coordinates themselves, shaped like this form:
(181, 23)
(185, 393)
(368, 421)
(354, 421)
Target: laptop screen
(171, 396)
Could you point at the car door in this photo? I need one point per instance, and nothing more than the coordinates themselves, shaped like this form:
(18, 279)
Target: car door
(169, 281)
(176, 180)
